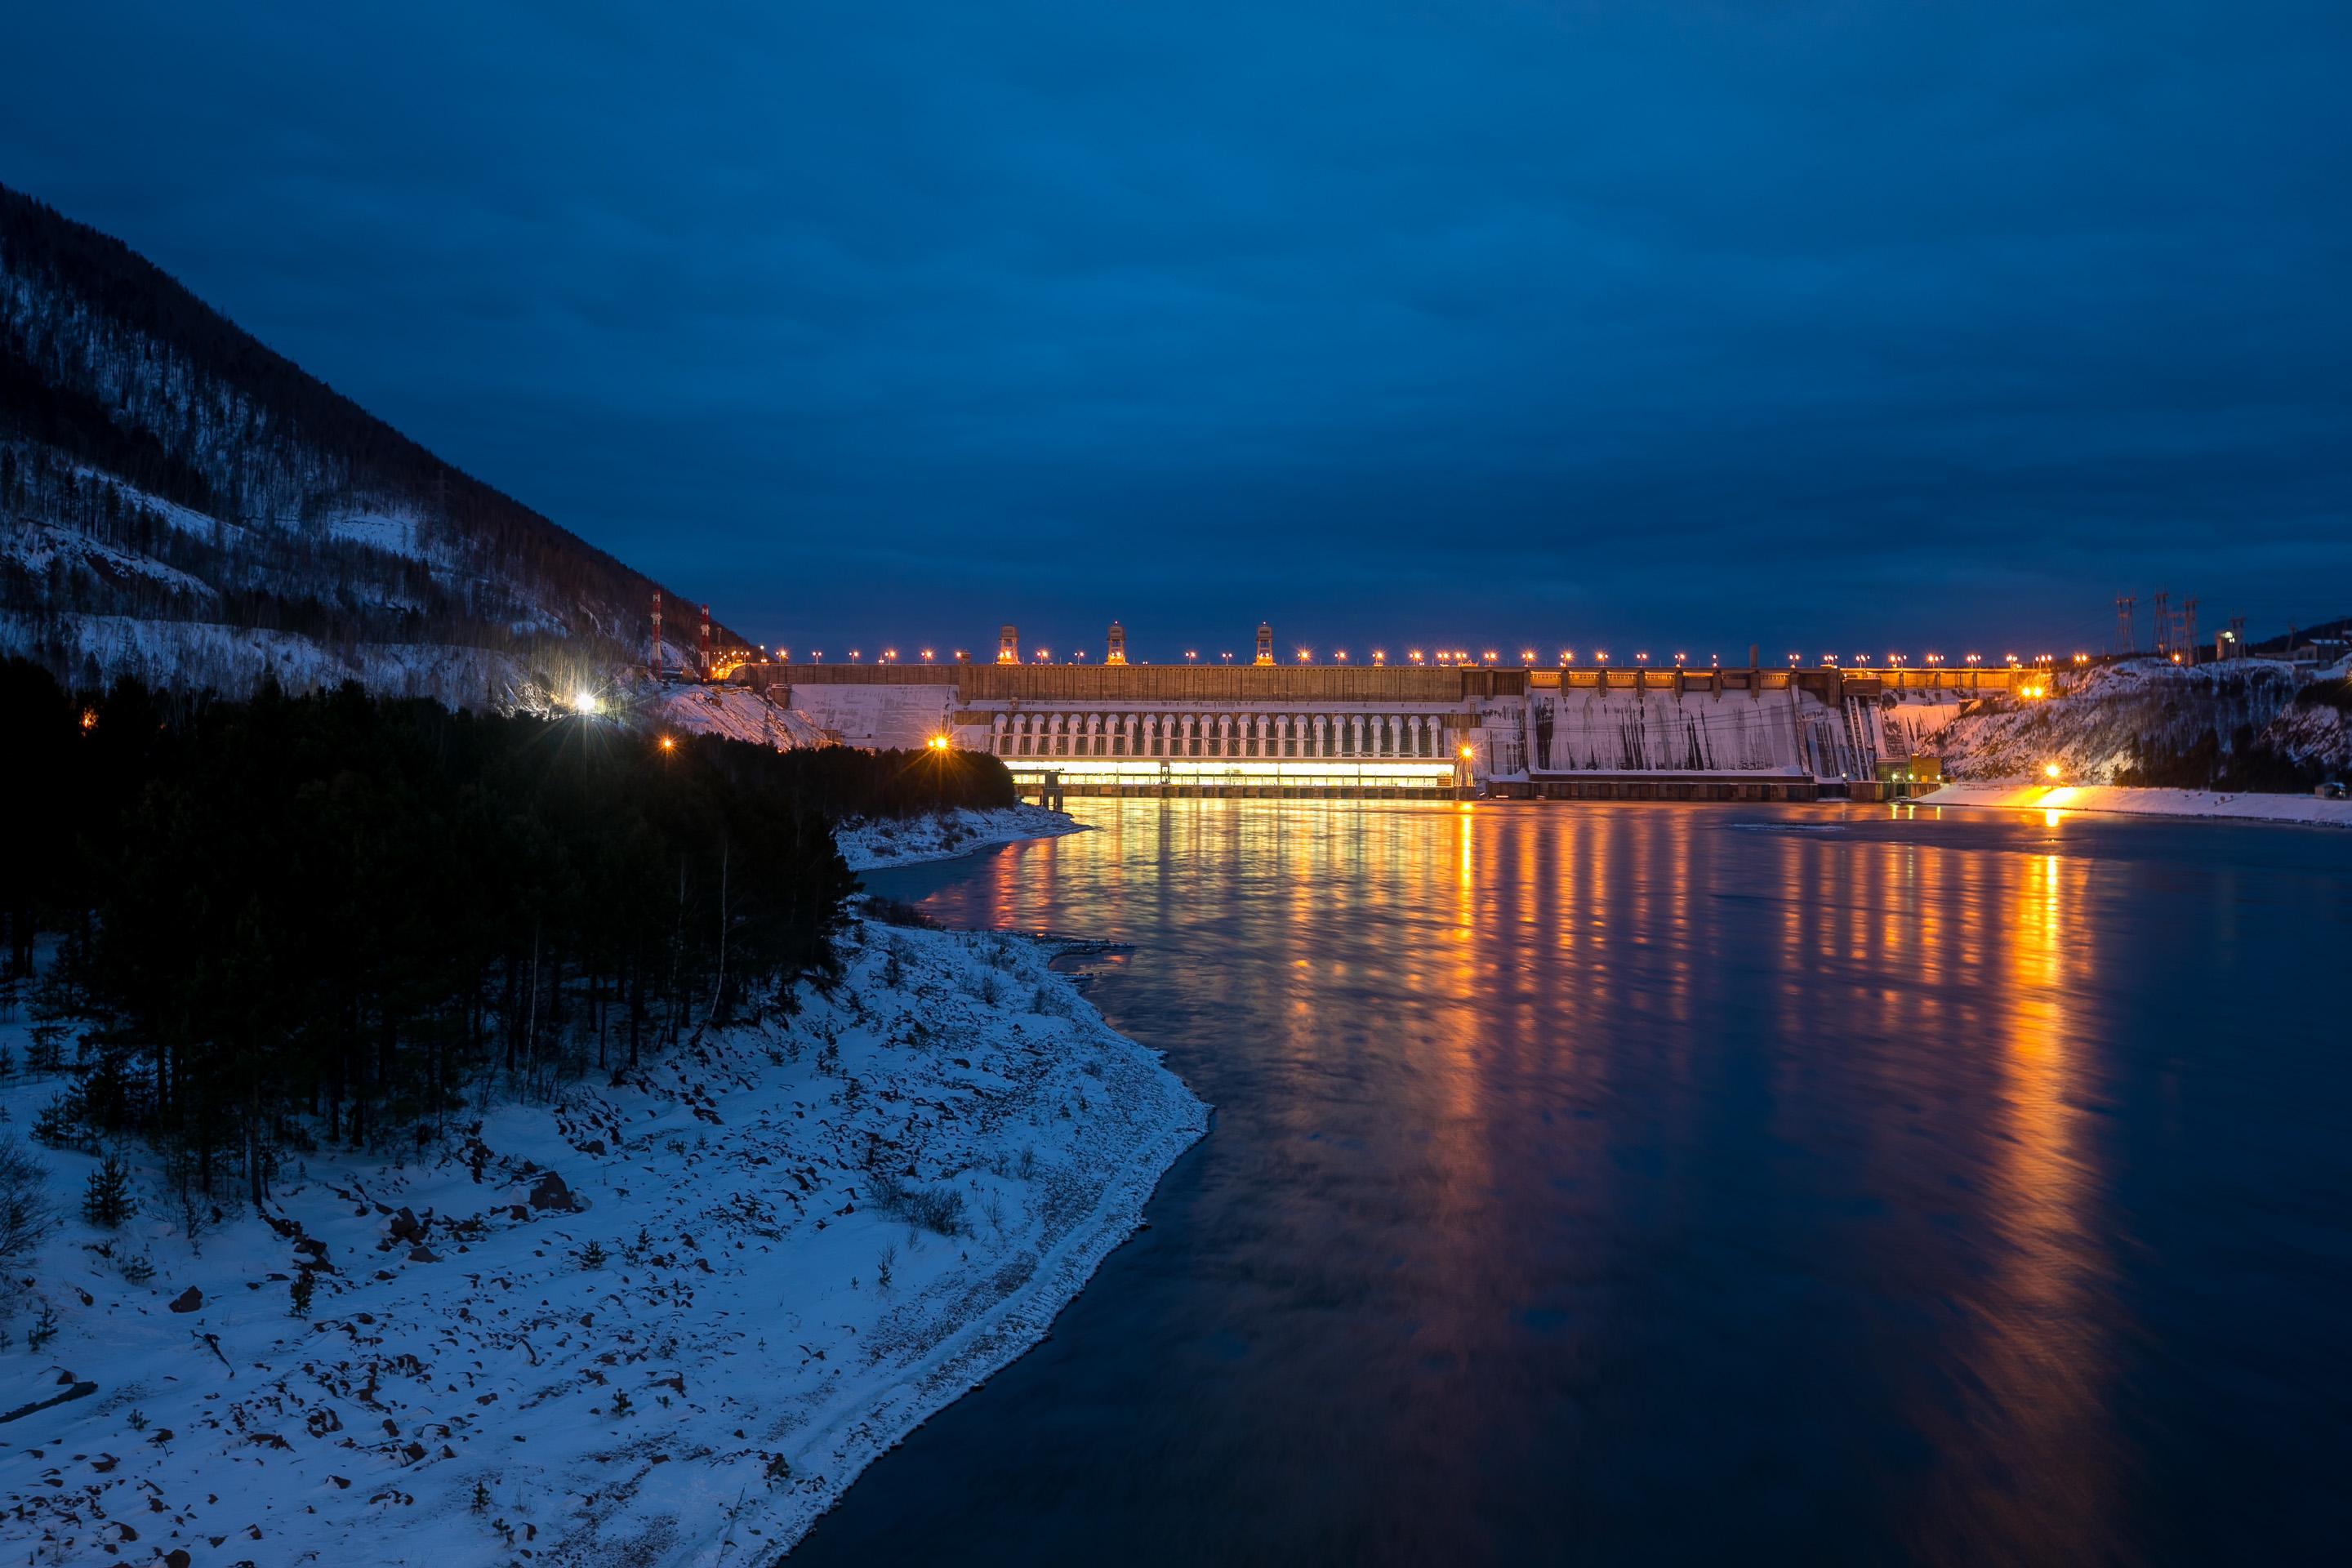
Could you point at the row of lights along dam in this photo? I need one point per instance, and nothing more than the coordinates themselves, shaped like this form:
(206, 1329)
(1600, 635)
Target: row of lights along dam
(1115, 653)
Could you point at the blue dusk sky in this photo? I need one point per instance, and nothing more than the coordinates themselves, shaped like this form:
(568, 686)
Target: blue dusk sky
(1915, 324)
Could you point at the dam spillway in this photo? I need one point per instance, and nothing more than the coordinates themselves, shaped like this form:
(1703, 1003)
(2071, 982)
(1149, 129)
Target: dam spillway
(1380, 731)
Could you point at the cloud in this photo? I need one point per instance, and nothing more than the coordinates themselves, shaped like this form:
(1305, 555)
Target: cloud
(1693, 321)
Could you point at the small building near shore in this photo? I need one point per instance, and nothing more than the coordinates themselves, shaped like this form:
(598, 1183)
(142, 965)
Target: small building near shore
(1899, 778)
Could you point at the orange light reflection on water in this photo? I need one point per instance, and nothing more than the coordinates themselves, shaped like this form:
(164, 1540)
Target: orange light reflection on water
(1912, 992)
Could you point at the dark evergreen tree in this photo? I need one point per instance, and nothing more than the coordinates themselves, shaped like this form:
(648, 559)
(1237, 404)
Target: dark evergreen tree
(106, 1199)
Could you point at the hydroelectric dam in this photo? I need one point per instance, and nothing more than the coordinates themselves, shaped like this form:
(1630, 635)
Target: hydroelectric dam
(1390, 731)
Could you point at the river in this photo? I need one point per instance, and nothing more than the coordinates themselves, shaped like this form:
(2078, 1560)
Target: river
(1627, 1182)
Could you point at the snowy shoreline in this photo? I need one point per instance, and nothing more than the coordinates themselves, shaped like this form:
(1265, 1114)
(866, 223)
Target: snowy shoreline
(646, 1324)
(879, 845)
(2028, 795)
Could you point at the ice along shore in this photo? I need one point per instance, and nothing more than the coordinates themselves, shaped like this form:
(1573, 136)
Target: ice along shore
(2029, 795)
(878, 844)
(667, 1321)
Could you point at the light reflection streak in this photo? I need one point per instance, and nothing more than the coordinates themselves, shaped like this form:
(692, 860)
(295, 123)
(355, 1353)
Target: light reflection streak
(1908, 1001)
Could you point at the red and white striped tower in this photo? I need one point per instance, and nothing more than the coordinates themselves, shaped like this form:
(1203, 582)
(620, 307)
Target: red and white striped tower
(653, 666)
(705, 642)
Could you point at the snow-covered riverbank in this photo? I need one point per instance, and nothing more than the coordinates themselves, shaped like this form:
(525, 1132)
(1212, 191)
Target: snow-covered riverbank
(2022, 794)
(942, 836)
(667, 1322)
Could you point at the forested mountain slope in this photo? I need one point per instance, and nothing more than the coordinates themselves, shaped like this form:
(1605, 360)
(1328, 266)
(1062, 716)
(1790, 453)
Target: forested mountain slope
(180, 502)
(2237, 724)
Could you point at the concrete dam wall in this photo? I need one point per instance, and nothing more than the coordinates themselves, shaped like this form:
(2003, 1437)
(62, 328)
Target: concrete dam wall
(1385, 731)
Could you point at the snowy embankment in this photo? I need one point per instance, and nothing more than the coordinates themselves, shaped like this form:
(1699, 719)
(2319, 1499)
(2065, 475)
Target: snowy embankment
(874, 845)
(660, 1323)
(737, 712)
(2022, 794)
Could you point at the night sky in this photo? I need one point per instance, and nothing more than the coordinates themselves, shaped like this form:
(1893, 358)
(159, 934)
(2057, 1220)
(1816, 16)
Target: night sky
(1907, 325)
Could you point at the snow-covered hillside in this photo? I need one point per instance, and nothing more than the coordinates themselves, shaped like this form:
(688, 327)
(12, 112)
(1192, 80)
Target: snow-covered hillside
(738, 712)
(96, 648)
(2148, 721)
(159, 466)
(667, 1321)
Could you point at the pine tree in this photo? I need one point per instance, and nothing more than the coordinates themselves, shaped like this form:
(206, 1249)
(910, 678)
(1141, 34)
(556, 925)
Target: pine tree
(48, 1052)
(106, 1200)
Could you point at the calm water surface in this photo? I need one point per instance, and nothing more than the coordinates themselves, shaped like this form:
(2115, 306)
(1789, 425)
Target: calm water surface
(1605, 1183)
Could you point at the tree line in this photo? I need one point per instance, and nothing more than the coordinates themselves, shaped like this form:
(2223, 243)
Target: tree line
(336, 916)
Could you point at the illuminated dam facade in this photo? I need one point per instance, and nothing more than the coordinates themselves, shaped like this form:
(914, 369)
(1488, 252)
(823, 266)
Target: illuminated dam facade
(1377, 732)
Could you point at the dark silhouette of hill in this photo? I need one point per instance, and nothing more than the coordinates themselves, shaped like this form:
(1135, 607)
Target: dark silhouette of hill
(181, 501)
